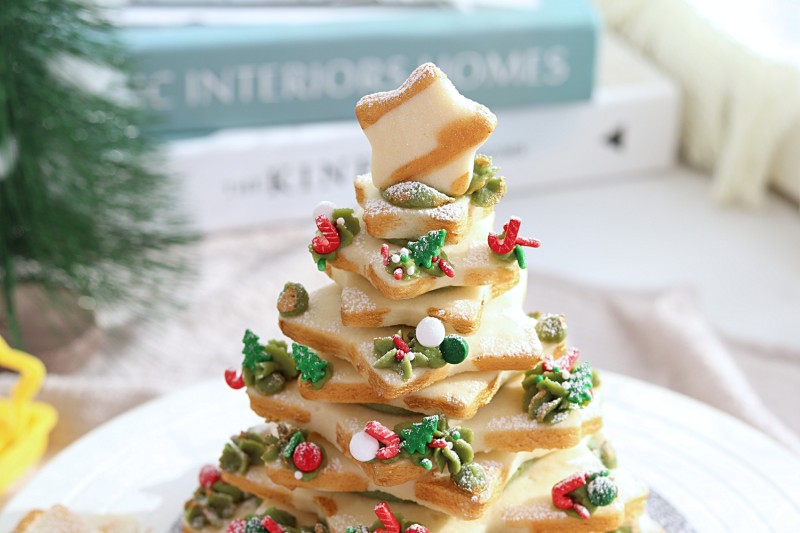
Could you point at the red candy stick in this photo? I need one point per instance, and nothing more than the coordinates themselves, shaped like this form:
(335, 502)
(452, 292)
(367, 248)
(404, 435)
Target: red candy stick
(568, 360)
(531, 243)
(271, 525)
(560, 490)
(307, 457)
(511, 239)
(582, 511)
(329, 240)
(385, 254)
(437, 443)
(385, 436)
(237, 526)
(234, 379)
(563, 488)
(447, 268)
(387, 518)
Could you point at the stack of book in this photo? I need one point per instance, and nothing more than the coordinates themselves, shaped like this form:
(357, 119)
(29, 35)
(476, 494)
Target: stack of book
(256, 103)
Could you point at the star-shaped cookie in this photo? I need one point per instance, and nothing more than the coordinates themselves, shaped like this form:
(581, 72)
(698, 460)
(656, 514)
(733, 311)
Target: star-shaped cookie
(424, 131)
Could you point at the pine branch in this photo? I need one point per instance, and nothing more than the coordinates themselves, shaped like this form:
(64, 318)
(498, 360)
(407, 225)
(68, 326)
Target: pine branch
(83, 207)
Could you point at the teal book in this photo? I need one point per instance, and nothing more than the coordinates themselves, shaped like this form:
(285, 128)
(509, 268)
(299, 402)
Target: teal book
(290, 70)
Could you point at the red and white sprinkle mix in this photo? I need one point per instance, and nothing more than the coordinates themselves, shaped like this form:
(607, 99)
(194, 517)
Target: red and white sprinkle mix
(209, 475)
(385, 436)
(416, 528)
(437, 443)
(398, 273)
(234, 379)
(390, 522)
(237, 526)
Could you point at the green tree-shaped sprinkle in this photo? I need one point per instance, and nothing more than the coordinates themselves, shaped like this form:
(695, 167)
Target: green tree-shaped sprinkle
(253, 351)
(310, 366)
(427, 247)
(419, 435)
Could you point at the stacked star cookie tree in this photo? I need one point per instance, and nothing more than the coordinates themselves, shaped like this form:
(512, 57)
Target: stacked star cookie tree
(415, 394)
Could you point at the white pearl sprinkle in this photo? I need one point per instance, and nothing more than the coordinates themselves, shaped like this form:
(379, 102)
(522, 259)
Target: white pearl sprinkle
(340, 221)
(363, 446)
(565, 374)
(405, 251)
(410, 356)
(449, 445)
(411, 270)
(298, 475)
(430, 332)
(324, 208)
(395, 258)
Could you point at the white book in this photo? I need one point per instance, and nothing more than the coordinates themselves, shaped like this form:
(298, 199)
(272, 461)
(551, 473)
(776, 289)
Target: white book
(238, 178)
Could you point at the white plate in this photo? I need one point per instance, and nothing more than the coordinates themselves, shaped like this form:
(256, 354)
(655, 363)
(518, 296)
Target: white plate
(708, 471)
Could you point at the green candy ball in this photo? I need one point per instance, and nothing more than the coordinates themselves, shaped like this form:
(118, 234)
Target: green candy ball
(601, 491)
(454, 349)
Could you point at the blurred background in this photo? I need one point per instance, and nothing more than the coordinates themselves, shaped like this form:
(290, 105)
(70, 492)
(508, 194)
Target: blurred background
(160, 161)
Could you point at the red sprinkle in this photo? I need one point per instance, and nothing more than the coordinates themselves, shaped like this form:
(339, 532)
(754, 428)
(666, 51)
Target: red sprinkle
(416, 528)
(271, 525)
(398, 273)
(385, 436)
(435, 259)
(437, 443)
(329, 240)
(237, 526)
(209, 475)
(385, 253)
(387, 518)
(234, 379)
(399, 343)
(400, 355)
(447, 268)
(307, 457)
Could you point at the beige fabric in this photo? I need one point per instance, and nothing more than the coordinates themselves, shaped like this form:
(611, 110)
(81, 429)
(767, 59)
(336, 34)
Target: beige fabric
(739, 107)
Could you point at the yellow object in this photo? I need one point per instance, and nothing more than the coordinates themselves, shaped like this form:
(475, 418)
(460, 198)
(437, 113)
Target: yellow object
(24, 424)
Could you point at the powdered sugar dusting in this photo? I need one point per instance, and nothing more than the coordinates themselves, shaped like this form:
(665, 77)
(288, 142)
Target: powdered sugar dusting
(356, 301)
